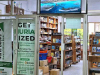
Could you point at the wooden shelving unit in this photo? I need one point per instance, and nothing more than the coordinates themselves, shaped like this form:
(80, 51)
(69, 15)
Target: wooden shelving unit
(73, 50)
(68, 52)
(76, 50)
(94, 45)
(49, 25)
(95, 55)
(57, 44)
(91, 42)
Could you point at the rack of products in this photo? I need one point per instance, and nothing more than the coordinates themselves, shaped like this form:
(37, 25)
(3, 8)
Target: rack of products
(91, 42)
(95, 48)
(56, 48)
(48, 26)
(49, 46)
(95, 45)
(72, 52)
(77, 49)
(68, 51)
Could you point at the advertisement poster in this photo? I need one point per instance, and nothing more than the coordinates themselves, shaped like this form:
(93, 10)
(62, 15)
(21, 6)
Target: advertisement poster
(26, 48)
(60, 6)
(5, 48)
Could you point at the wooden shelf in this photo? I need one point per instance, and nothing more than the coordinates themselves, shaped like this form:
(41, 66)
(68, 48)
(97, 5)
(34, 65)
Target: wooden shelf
(43, 22)
(98, 37)
(96, 52)
(69, 43)
(68, 57)
(98, 45)
(46, 34)
(45, 43)
(50, 28)
(56, 43)
(77, 48)
(77, 42)
(53, 23)
(78, 54)
(54, 50)
(59, 58)
(67, 50)
(51, 17)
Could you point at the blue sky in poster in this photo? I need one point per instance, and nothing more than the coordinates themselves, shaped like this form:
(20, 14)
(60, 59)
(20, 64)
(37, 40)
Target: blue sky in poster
(49, 6)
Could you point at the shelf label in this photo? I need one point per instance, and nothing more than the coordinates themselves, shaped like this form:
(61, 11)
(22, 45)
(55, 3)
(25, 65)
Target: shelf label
(26, 48)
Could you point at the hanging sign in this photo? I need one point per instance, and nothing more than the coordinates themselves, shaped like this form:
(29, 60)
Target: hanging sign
(5, 48)
(60, 6)
(26, 48)
(73, 23)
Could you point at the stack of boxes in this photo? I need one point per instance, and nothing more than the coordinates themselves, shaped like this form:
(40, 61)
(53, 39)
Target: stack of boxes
(46, 68)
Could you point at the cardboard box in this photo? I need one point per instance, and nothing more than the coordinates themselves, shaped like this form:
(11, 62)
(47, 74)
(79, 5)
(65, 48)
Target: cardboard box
(45, 69)
(40, 72)
(43, 62)
(54, 61)
(46, 74)
(55, 72)
(97, 73)
(49, 53)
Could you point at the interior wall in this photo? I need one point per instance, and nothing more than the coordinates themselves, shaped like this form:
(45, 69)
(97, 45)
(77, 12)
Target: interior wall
(94, 19)
(93, 4)
(3, 7)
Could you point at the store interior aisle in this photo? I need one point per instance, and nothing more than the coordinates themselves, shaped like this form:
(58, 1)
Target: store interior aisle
(75, 69)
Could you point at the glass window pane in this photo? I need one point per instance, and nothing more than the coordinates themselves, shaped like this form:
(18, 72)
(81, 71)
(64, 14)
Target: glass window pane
(5, 7)
(25, 7)
(97, 27)
(91, 28)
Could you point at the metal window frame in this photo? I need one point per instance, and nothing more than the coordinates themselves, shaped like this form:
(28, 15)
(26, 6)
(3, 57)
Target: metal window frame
(85, 37)
(36, 39)
(37, 49)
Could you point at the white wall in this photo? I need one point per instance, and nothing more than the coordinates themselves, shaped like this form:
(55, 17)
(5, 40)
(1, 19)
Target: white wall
(93, 4)
(3, 6)
(94, 19)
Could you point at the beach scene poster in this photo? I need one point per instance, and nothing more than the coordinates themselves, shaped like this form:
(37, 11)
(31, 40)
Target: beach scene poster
(60, 6)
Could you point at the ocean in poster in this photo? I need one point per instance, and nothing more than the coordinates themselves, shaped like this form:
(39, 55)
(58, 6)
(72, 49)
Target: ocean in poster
(60, 6)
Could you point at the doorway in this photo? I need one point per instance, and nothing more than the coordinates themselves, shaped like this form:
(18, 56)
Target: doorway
(64, 54)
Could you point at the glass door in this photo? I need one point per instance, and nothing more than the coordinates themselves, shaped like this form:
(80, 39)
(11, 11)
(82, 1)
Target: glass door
(25, 37)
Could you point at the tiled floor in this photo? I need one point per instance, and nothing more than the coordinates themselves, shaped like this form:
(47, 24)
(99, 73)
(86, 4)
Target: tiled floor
(75, 69)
